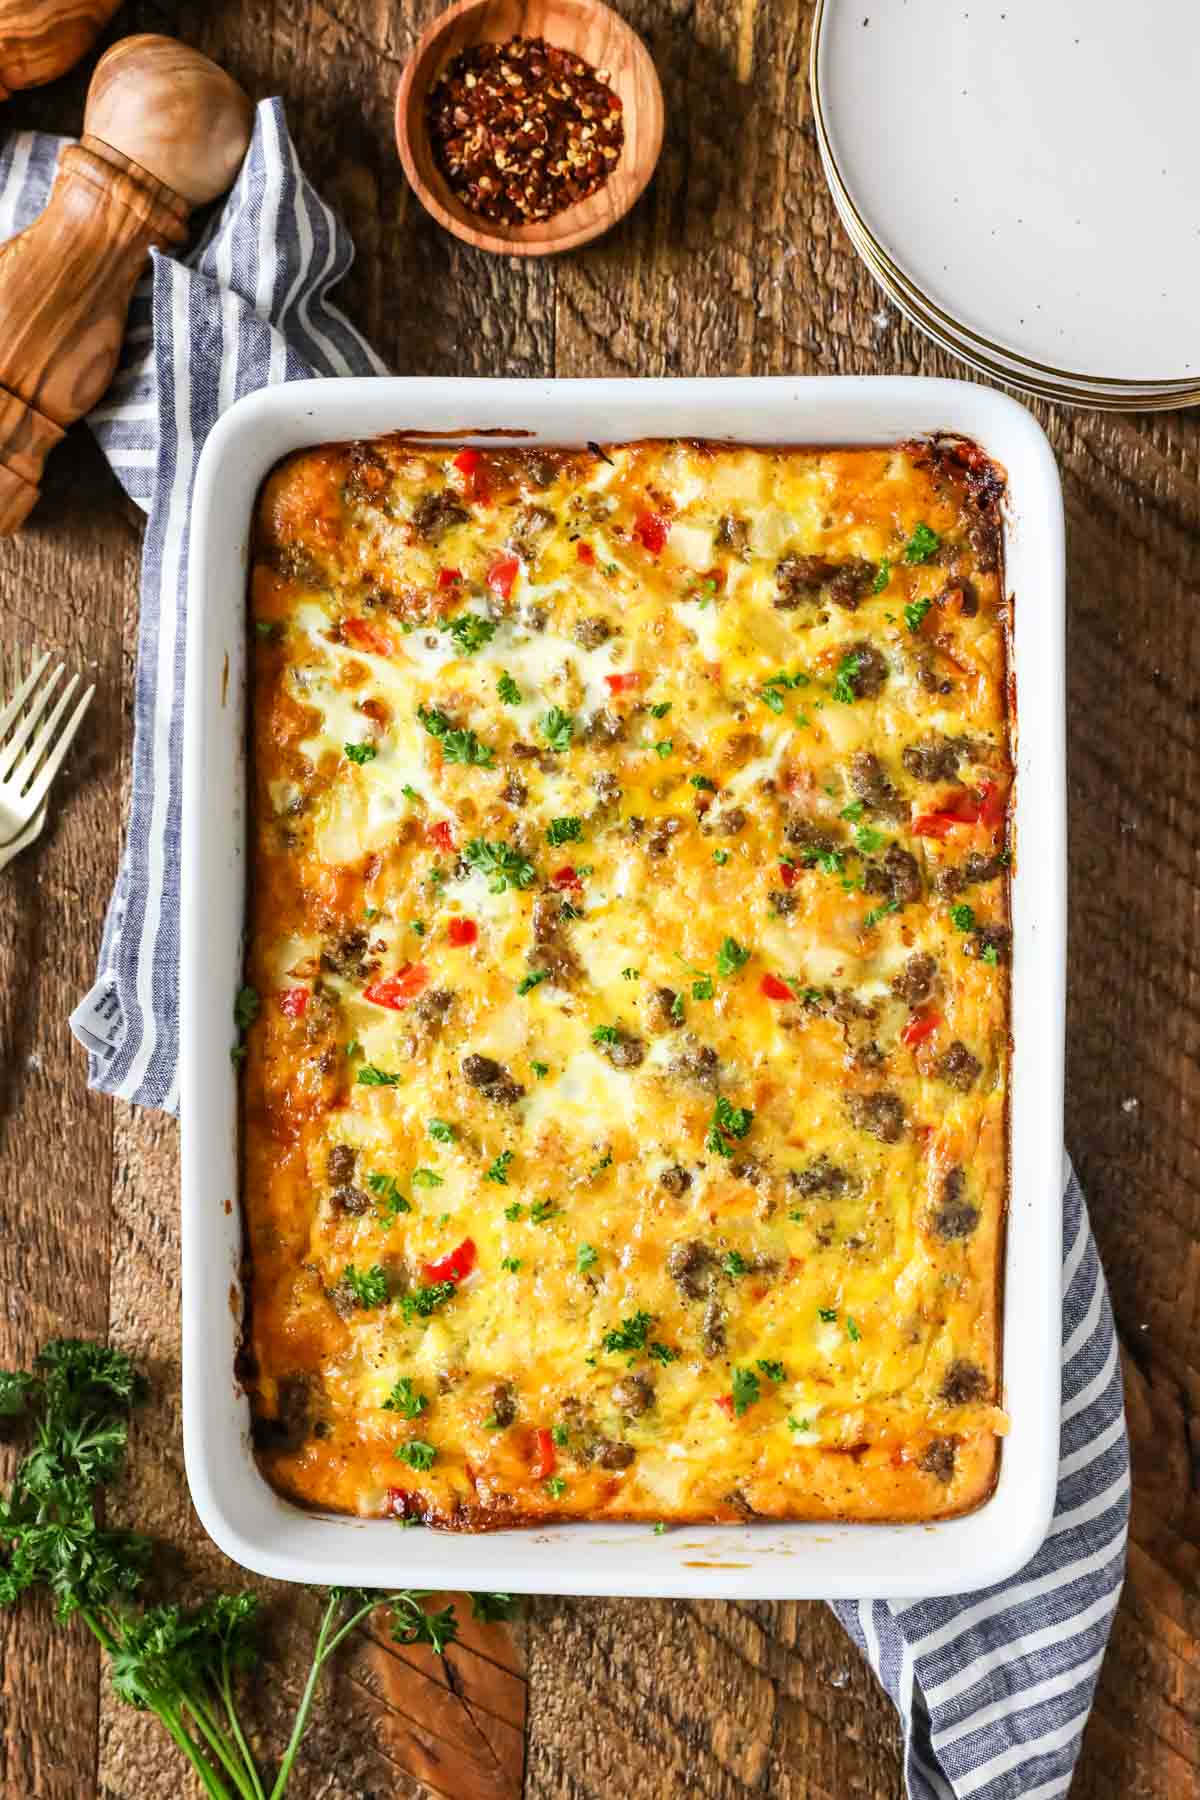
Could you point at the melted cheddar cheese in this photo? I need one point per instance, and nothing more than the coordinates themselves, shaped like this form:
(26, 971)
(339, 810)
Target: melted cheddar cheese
(625, 1109)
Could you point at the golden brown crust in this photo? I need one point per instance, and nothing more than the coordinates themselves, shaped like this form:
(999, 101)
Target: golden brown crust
(536, 736)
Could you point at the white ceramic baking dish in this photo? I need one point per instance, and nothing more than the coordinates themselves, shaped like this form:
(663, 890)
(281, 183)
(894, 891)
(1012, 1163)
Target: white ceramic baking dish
(244, 1516)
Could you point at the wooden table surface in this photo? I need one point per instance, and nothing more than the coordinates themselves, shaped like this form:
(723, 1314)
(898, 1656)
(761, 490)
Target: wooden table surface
(733, 263)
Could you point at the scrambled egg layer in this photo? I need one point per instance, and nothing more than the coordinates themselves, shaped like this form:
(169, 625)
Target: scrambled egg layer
(625, 1106)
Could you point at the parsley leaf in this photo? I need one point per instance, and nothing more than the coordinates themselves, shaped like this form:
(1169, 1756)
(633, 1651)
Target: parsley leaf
(735, 1264)
(558, 728)
(534, 978)
(542, 1211)
(498, 1172)
(510, 1264)
(564, 831)
(388, 1190)
(727, 1122)
(405, 1399)
(540, 1069)
(854, 811)
(556, 1486)
(880, 912)
(369, 1286)
(245, 1008)
(703, 783)
(441, 1130)
(852, 1331)
(504, 866)
(360, 753)
(664, 1353)
(746, 1390)
(491, 1609)
(661, 709)
(720, 857)
(774, 1371)
(513, 1213)
(990, 954)
(921, 545)
(827, 1314)
(731, 957)
(868, 839)
(370, 1075)
(605, 1034)
(458, 746)
(507, 690)
(914, 613)
(882, 576)
(630, 1334)
(843, 686)
(422, 1302)
(664, 747)
(586, 1257)
(426, 1178)
(963, 917)
(417, 1455)
(703, 989)
(471, 631)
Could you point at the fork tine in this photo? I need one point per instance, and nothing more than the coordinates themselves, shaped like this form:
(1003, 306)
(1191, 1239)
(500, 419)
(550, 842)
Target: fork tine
(20, 777)
(24, 686)
(12, 749)
(54, 761)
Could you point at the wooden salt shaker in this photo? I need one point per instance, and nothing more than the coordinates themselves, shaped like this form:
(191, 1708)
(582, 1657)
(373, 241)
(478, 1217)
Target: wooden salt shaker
(165, 130)
(42, 39)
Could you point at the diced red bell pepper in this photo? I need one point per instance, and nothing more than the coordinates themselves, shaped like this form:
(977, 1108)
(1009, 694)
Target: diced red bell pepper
(441, 835)
(650, 531)
(293, 1001)
(467, 461)
(991, 804)
(775, 989)
(725, 1402)
(448, 578)
(368, 637)
(455, 1267)
(400, 1504)
(462, 932)
(716, 576)
(502, 574)
(789, 874)
(921, 1025)
(585, 553)
(985, 807)
(623, 683)
(566, 878)
(395, 991)
(545, 1458)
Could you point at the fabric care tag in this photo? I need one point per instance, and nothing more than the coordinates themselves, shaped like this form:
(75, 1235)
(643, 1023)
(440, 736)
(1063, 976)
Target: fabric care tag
(98, 1021)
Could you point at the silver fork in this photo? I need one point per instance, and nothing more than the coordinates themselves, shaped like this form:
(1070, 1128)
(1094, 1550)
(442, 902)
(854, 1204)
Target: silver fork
(32, 748)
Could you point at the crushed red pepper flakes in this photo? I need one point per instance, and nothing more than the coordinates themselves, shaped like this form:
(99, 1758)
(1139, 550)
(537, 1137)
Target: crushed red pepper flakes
(523, 130)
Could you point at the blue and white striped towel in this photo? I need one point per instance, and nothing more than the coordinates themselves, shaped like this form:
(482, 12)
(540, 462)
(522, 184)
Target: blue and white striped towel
(993, 1689)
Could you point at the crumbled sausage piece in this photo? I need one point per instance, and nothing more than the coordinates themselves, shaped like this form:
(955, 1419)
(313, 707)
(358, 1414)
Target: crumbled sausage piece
(554, 953)
(435, 513)
(340, 1163)
(712, 1334)
(984, 539)
(633, 1394)
(346, 955)
(658, 1007)
(820, 1177)
(431, 1008)
(954, 1217)
(733, 533)
(748, 1169)
(624, 1052)
(871, 784)
(589, 634)
(935, 757)
(540, 468)
(350, 1200)
(528, 526)
(690, 1266)
(611, 1455)
(492, 1079)
(533, 618)
(604, 727)
(898, 876)
(870, 670)
(292, 1424)
(914, 982)
(959, 1067)
(964, 1382)
(963, 596)
(724, 824)
(514, 792)
(504, 1403)
(608, 788)
(665, 829)
(799, 579)
(989, 938)
(852, 582)
(782, 902)
(808, 836)
(881, 1114)
(701, 1065)
(974, 868)
(675, 1179)
(939, 1459)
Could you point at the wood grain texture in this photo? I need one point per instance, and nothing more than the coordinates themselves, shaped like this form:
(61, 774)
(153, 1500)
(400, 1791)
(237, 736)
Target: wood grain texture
(732, 263)
(41, 39)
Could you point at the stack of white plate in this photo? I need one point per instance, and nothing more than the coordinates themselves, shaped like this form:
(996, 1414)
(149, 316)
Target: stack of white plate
(1022, 178)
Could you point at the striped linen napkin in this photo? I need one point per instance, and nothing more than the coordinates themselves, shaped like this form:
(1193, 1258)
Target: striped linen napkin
(993, 1689)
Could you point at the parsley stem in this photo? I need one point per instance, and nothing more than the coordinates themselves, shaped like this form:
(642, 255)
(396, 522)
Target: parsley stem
(235, 1726)
(217, 1741)
(321, 1650)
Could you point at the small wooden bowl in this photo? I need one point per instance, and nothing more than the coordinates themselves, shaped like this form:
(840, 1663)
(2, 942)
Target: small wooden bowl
(589, 29)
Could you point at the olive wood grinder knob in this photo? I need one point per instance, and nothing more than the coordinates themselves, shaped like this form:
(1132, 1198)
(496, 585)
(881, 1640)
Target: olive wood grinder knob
(42, 39)
(165, 130)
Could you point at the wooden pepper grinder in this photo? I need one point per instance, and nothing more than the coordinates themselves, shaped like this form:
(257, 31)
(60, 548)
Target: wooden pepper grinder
(165, 130)
(42, 39)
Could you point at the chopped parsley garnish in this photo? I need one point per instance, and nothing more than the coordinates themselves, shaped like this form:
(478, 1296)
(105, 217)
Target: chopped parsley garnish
(830, 862)
(605, 1034)
(720, 857)
(507, 690)
(630, 974)
(417, 925)
(731, 957)
(746, 1390)
(510, 1264)
(514, 1212)
(677, 1009)
(854, 811)
(564, 831)
(921, 545)
(441, 1130)
(560, 1435)
(503, 866)
(371, 1075)
(843, 685)
(360, 753)
(534, 979)
(881, 912)
(417, 1455)
(799, 1424)
(392, 1201)
(661, 709)
(772, 698)
(915, 612)
(471, 631)
(245, 1008)
(426, 1178)
(540, 1069)
(422, 1302)
(368, 1286)
(598, 1168)
(963, 917)
(990, 954)
(558, 728)
(664, 1353)
(586, 1257)
(630, 1334)
(728, 1121)
(868, 839)
(410, 792)
(405, 1400)
(703, 783)
(882, 576)
(542, 1211)
(268, 628)
(498, 1172)
(353, 1048)
(827, 1314)
(703, 989)
(735, 1264)
(556, 1486)
(774, 1371)
(491, 1609)
(458, 746)
(852, 1331)
(664, 747)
